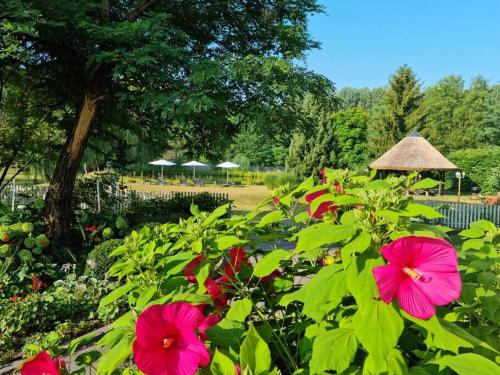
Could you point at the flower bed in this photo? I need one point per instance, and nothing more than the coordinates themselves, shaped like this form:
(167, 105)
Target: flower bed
(368, 288)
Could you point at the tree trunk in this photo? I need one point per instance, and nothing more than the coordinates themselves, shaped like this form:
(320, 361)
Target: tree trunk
(59, 198)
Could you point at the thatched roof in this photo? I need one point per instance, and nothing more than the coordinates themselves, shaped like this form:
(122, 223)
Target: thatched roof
(413, 153)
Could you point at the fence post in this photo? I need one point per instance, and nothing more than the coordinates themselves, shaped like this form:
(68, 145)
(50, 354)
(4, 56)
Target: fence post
(13, 194)
(98, 197)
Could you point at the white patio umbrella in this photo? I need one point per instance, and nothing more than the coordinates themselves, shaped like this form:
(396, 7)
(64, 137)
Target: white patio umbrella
(228, 165)
(194, 164)
(163, 163)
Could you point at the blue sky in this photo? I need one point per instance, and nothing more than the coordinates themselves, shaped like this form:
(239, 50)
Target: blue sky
(364, 41)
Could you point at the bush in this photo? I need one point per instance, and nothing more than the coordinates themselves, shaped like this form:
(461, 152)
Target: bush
(99, 261)
(481, 167)
(275, 180)
(73, 299)
(162, 210)
(370, 287)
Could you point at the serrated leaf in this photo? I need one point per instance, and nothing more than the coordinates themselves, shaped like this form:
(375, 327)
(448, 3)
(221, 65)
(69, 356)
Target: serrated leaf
(416, 209)
(426, 183)
(255, 355)
(270, 218)
(270, 262)
(378, 327)
(321, 234)
(325, 358)
(468, 363)
(239, 310)
(226, 242)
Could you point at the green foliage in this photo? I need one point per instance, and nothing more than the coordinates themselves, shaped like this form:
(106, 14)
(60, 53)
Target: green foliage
(160, 210)
(313, 147)
(402, 112)
(275, 180)
(99, 261)
(481, 168)
(350, 128)
(70, 300)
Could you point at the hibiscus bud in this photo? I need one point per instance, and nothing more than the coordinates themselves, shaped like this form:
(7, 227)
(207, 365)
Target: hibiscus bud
(107, 233)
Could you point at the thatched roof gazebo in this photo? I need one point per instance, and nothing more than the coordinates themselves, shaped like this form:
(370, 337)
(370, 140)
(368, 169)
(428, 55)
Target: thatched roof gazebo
(413, 153)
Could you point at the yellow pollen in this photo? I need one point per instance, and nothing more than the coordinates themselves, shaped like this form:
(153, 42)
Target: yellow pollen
(411, 272)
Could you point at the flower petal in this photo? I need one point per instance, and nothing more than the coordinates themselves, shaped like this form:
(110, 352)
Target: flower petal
(150, 326)
(184, 315)
(310, 197)
(154, 360)
(387, 279)
(40, 364)
(400, 252)
(412, 300)
(434, 255)
(208, 322)
(440, 287)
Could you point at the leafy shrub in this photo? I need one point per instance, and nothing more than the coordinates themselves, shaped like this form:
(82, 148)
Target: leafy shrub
(99, 261)
(369, 287)
(275, 180)
(71, 299)
(161, 210)
(481, 168)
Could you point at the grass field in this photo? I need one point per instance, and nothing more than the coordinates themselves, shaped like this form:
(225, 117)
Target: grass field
(245, 197)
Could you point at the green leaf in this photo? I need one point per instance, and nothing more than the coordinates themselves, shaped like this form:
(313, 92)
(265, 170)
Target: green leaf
(360, 280)
(484, 225)
(471, 233)
(324, 291)
(426, 183)
(145, 297)
(440, 337)
(115, 294)
(358, 245)
(475, 244)
(416, 209)
(321, 234)
(344, 200)
(392, 363)
(202, 273)
(255, 356)
(270, 218)
(226, 242)
(333, 350)
(270, 262)
(217, 213)
(221, 364)
(378, 327)
(377, 184)
(113, 358)
(226, 333)
(195, 211)
(77, 343)
(469, 363)
(239, 310)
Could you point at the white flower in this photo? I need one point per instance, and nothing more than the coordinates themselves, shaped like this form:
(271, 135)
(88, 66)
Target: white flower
(91, 263)
(66, 267)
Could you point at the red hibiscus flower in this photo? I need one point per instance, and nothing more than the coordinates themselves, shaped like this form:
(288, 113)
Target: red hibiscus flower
(189, 270)
(14, 298)
(323, 208)
(269, 278)
(237, 259)
(276, 201)
(216, 292)
(166, 341)
(36, 283)
(42, 364)
(208, 322)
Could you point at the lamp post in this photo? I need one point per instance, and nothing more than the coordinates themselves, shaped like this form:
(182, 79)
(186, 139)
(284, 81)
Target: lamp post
(459, 176)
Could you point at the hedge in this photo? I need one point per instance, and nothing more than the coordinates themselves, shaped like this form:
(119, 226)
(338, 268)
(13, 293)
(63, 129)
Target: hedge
(481, 167)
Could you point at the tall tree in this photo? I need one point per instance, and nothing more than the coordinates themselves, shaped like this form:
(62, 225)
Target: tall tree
(401, 114)
(441, 103)
(172, 66)
(350, 131)
(312, 147)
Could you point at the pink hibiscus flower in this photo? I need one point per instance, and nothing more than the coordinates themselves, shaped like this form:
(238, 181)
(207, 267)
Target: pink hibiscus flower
(190, 269)
(322, 208)
(422, 272)
(166, 342)
(43, 364)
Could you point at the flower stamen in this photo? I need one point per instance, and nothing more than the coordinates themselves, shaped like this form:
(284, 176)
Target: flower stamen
(411, 272)
(168, 342)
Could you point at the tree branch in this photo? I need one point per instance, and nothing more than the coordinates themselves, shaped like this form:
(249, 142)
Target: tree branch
(141, 6)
